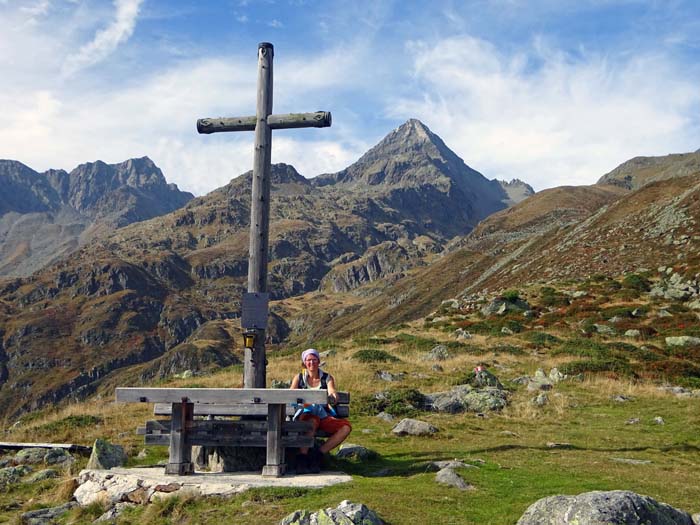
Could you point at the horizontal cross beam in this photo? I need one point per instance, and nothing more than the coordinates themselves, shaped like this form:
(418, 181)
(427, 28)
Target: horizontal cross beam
(220, 395)
(318, 119)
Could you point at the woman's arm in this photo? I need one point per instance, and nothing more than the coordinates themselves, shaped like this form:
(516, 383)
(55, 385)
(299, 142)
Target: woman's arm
(295, 382)
(332, 392)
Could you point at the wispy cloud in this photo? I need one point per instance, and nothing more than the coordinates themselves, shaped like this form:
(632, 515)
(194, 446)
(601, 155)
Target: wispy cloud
(275, 23)
(105, 40)
(545, 116)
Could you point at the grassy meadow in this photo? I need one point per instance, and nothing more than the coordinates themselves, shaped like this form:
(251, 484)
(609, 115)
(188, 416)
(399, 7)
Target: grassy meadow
(583, 439)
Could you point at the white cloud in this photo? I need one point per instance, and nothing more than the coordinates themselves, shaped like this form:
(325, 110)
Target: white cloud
(275, 23)
(106, 40)
(546, 117)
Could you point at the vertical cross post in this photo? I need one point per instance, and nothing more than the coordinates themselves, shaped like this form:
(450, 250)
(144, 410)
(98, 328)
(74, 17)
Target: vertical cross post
(263, 123)
(254, 359)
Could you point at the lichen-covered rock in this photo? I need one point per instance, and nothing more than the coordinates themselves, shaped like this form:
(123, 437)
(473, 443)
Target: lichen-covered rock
(413, 427)
(44, 516)
(42, 475)
(9, 475)
(105, 456)
(683, 340)
(616, 507)
(464, 398)
(55, 456)
(347, 513)
(30, 456)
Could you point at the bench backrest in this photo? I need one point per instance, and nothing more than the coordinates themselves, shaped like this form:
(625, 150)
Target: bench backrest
(247, 409)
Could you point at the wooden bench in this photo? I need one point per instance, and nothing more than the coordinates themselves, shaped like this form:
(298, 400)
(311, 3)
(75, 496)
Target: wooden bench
(182, 430)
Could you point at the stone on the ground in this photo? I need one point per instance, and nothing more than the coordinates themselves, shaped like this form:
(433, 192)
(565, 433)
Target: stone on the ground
(30, 456)
(683, 340)
(113, 513)
(352, 451)
(347, 513)
(462, 335)
(448, 476)
(42, 475)
(484, 378)
(388, 376)
(541, 400)
(603, 508)
(9, 475)
(555, 376)
(501, 306)
(464, 398)
(632, 333)
(435, 466)
(438, 353)
(413, 427)
(105, 456)
(44, 516)
(56, 456)
(659, 420)
(385, 416)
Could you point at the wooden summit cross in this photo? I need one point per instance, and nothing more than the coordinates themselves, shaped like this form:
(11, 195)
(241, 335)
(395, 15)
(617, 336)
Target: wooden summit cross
(255, 303)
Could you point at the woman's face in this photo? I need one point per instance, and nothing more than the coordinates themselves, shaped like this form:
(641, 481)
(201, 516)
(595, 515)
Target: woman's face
(311, 362)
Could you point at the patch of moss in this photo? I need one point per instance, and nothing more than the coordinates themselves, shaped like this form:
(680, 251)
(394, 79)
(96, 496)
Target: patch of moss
(373, 355)
(541, 339)
(397, 402)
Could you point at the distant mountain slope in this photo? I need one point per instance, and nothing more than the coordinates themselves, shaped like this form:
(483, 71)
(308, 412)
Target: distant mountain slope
(139, 293)
(639, 171)
(560, 234)
(45, 216)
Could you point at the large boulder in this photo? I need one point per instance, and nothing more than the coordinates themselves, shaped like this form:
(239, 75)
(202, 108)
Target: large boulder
(465, 398)
(104, 456)
(616, 507)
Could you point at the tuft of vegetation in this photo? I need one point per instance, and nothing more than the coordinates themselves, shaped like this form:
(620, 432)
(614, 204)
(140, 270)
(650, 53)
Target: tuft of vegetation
(618, 366)
(373, 355)
(397, 402)
(70, 423)
(541, 339)
(636, 282)
(550, 297)
(511, 295)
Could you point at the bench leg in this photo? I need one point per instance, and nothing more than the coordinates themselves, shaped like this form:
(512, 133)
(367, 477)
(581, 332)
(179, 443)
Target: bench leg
(275, 466)
(180, 461)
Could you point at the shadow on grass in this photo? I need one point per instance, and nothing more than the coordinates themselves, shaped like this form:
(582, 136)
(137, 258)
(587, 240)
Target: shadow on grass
(412, 463)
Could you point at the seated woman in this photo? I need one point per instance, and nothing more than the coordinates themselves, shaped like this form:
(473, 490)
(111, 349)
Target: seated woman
(320, 416)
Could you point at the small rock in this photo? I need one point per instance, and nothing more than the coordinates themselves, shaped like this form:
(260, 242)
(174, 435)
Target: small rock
(664, 313)
(555, 376)
(449, 477)
(113, 513)
(30, 456)
(552, 444)
(357, 452)
(461, 334)
(45, 516)
(435, 466)
(438, 353)
(42, 475)
(436, 368)
(413, 427)
(541, 400)
(385, 416)
(56, 456)
(507, 331)
(187, 374)
(659, 420)
(632, 461)
(604, 329)
(621, 398)
(632, 333)
(632, 421)
(683, 340)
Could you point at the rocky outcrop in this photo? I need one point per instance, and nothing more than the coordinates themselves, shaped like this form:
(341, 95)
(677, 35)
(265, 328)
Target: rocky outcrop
(347, 513)
(46, 216)
(603, 508)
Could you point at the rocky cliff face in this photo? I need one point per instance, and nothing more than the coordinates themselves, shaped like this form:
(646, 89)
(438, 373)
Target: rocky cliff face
(46, 216)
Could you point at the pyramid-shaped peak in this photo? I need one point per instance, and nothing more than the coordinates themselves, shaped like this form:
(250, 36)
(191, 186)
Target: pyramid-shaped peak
(414, 129)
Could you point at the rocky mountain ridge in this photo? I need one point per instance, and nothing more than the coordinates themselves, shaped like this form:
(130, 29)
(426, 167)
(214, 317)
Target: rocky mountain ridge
(46, 216)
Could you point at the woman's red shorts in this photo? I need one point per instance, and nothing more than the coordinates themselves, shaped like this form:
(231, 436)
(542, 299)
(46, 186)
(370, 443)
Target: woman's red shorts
(328, 424)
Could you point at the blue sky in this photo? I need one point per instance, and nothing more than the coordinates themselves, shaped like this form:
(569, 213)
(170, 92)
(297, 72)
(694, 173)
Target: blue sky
(551, 92)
